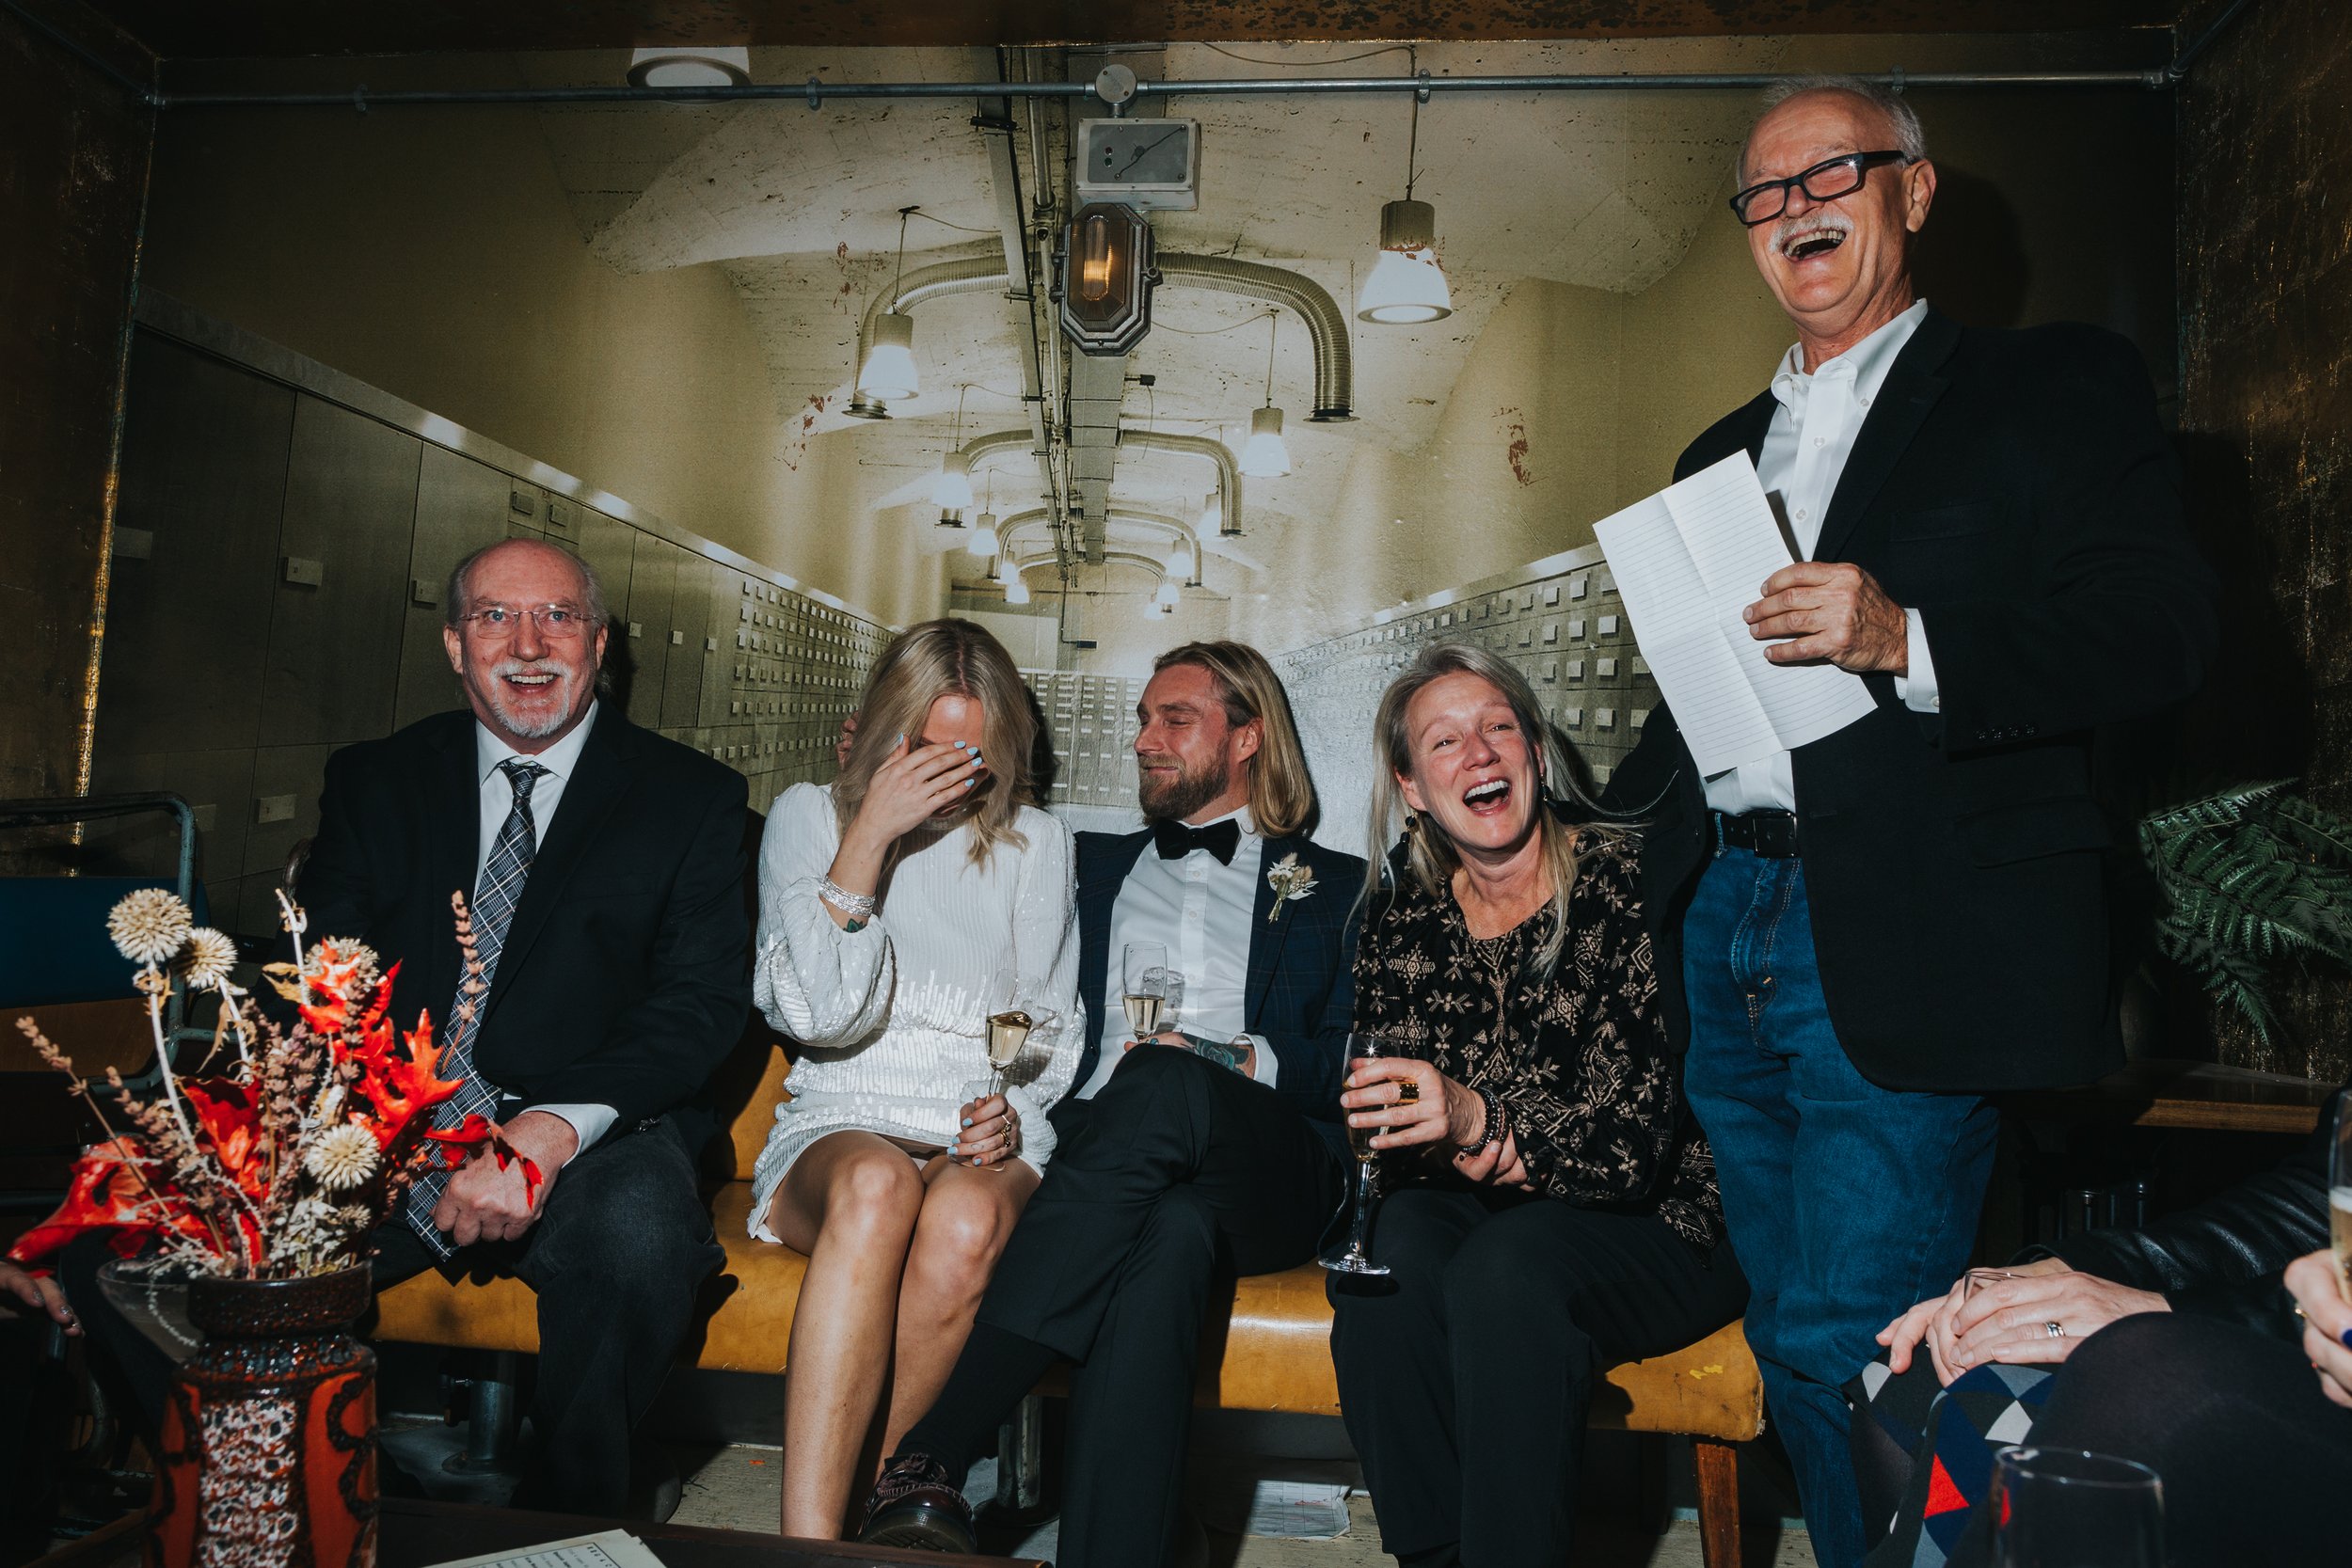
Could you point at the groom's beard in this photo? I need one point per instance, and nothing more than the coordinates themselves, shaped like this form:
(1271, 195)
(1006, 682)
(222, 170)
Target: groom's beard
(1166, 796)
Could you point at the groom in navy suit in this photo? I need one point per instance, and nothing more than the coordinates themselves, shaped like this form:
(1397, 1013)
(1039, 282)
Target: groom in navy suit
(1212, 1149)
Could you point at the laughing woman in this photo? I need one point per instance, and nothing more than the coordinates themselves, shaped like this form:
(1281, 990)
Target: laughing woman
(898, 908)
(1550, 1208)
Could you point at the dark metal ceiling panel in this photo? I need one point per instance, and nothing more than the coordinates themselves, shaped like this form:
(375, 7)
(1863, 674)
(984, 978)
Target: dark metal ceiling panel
(236, 28)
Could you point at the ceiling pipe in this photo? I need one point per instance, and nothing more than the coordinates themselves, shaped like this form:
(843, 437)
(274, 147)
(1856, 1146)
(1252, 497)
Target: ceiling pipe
(969, 275)
(1180, 531)
(1334, 368)
(815, 91)
(1228, 468)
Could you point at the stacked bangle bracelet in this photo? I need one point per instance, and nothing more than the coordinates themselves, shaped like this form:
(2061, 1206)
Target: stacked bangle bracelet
(859, 906)
(1495, 1119)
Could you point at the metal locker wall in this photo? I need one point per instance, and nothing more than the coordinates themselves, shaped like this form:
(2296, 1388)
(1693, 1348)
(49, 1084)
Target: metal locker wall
(461, 508)
(652, 584)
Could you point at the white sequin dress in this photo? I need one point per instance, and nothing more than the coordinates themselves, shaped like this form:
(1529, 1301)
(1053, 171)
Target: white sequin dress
(890, 1021)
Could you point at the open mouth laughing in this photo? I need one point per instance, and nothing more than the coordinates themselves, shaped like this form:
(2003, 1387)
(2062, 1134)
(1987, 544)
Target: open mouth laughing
(1813, 242)
(1487, 798)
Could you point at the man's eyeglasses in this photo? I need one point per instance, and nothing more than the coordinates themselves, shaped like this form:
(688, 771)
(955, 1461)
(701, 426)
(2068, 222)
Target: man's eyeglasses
(1824, 181)
(557, 623)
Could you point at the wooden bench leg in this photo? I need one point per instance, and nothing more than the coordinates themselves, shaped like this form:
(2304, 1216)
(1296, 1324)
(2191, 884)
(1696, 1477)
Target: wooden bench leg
(1718, 1465)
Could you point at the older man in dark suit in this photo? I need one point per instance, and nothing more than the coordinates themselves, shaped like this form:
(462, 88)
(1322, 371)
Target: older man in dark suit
(604, 868)
(1877, 929)
(1184, 1158)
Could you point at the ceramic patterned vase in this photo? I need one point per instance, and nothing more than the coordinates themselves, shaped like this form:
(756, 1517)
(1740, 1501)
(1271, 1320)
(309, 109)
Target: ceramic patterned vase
(269, 1438)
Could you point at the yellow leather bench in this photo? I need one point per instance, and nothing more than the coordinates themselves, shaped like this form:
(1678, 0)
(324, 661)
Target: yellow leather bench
(1275, 1352)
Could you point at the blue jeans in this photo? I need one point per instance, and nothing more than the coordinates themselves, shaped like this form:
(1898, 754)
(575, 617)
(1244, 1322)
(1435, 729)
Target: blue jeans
(1846, 1202)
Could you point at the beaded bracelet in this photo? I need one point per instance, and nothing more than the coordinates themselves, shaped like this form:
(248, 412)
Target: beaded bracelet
(859, 906)
(1487, 1098)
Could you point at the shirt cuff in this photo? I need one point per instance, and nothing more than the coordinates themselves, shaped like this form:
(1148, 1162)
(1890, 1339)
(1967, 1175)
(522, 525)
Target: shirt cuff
(590, 1122)
(1268, 1066)
(1918, 691)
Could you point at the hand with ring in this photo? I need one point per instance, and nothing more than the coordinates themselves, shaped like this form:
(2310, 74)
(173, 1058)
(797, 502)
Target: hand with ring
(988, 1131)
(2038, 1315)
(1412, 1102)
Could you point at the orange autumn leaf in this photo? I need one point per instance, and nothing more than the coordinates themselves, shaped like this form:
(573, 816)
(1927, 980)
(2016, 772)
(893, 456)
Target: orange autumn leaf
(104, 1193)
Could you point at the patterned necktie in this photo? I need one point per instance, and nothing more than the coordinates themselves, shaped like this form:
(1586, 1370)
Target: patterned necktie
(493, 909)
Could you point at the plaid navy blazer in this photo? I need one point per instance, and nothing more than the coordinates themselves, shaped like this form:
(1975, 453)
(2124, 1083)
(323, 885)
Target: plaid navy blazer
(1301, 990)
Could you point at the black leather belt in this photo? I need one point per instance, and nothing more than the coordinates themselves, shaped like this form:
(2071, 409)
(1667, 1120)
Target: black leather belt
(1770, 833)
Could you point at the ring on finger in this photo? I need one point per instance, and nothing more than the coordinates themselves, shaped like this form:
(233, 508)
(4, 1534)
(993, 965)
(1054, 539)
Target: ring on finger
(2053, 1329)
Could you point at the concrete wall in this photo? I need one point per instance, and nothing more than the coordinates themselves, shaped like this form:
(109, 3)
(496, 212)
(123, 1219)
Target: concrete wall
(72, 190)
(432, 253)
(2266, 292)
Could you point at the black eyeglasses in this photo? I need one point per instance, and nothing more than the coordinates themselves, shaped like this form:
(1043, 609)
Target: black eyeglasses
(1824, 181)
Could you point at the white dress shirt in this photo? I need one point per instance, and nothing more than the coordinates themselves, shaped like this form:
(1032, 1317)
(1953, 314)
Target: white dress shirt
(1203, 914)
(1806, 449)
(498, 799)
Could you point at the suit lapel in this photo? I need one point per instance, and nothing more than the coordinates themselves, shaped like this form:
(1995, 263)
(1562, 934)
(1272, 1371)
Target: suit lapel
(1913, 385)
(596, 784)
(1269, 928)
(1098, 896)
(452, 847)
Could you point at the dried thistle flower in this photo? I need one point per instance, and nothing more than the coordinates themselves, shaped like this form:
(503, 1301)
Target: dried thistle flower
(342, 1157)
(149, 925)
(210, 955)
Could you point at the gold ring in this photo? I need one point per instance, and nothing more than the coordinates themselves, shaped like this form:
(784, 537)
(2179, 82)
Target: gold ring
(1407, 1092)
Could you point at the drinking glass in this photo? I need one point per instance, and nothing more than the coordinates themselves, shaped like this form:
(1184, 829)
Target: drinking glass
(2070, 1507)
(1352, 1258)
(1143, 985)
(2340, 1191)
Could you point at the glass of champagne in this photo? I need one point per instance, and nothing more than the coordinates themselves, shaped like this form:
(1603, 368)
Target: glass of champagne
(1351, 1258)
(1143, 985)
(2070, 1507)
(2340, 1193)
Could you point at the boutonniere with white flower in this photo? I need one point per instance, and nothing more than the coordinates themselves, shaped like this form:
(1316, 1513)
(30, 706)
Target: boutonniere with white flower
(1291, 881)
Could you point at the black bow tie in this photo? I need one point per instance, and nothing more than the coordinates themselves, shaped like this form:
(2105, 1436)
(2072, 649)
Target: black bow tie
(1175, 841)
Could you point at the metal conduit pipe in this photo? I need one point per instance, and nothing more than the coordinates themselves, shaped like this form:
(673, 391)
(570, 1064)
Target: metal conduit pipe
(1334, 368)
(966, 277)
(1181, 532)
(1228, 468)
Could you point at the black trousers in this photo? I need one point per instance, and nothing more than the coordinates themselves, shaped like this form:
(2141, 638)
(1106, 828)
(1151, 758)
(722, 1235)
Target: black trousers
(617, 1259)
(1177, 1176)
(2254, 1460)
(1465, 1376)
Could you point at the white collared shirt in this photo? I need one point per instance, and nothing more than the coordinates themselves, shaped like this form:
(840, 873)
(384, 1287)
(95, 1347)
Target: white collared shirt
(498, 799)
(1202, 914)
(1805, 448)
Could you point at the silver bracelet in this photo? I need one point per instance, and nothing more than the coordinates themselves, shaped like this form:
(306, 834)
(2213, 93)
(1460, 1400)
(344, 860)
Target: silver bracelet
(857, 906)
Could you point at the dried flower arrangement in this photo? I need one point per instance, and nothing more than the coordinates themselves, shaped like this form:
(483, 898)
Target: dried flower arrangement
(279, 1166)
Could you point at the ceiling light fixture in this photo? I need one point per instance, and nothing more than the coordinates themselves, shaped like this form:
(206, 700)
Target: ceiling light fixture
(1016, 591)
(1169, 594)
(952, 489)
(1407, 285)
(1265, 456)
(691, 67)
(1179, 562)
(1211, 514)
(984, 541)
(889, 374)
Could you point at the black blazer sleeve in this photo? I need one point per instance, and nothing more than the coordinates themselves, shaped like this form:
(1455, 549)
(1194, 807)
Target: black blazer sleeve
(2114, 614)
(340, 877)
(657, 1050)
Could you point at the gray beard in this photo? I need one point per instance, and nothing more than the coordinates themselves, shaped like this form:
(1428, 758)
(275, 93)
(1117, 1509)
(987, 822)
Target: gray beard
(537, 729)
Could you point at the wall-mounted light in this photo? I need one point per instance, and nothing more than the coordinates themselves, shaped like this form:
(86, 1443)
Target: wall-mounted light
(889, 374)
(1107, 278)
(1407, 285)
(1265, 456)
(690, 67)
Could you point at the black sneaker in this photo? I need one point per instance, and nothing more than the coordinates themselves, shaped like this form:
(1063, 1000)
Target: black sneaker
(918, 1504)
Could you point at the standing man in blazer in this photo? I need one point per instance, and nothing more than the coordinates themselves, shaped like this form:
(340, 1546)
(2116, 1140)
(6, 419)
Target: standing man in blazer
(1208, 1152)
(604, 870)
(1876, 930)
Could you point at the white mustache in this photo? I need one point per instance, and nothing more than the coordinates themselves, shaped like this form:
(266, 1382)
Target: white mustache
(1792, 230)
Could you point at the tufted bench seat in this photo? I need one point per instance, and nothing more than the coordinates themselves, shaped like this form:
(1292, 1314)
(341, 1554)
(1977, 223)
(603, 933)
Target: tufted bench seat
(1272, 1353)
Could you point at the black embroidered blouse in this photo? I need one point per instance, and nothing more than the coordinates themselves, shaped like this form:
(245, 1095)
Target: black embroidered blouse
(1579, 1061)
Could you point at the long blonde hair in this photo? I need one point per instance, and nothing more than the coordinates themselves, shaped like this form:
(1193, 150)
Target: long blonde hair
(924, 663)
(1281, 793)
(1429, 857)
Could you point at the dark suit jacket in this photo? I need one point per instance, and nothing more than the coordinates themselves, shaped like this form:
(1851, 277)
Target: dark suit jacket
(1301, 993)
(2016, 489)
(624, 977)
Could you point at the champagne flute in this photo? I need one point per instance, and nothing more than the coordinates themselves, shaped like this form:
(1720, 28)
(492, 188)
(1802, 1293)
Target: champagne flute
(1352, 1258)
(2070, 1507)
(2340, 1191)
(1143, 987)
(1009, 1026)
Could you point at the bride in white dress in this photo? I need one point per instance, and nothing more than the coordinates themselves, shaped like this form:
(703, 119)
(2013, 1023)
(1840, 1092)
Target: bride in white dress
(920, 892)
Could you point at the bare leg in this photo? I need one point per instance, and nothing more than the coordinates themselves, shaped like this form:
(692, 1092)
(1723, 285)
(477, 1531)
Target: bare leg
(849, 1203)
(968, 1214)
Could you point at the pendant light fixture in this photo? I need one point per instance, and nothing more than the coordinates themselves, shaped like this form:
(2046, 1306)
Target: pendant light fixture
(1407, 286)
(1169, 594)
(1016, 591)
(889, 374)
(1211, 514)
(1179, 562)
(691, 67)
(984, 541)
(952, 489)
(1265, 456)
